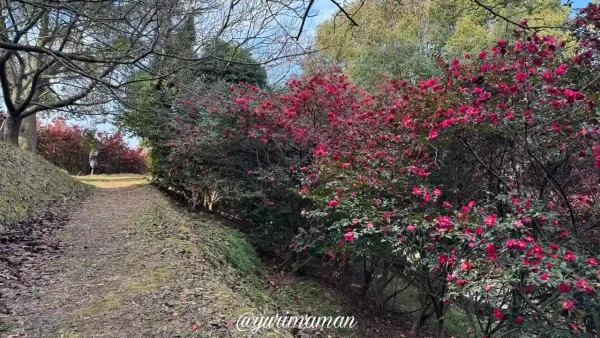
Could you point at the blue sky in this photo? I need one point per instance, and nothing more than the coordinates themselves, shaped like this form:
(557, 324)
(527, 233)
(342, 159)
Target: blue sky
(579, 3)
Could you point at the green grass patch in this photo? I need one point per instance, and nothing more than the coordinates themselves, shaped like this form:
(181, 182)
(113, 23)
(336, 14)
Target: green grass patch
(239, 252)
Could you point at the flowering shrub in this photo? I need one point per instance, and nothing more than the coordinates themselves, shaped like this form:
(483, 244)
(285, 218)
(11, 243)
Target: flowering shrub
(115, 156)
(479, 188)
(68, 147)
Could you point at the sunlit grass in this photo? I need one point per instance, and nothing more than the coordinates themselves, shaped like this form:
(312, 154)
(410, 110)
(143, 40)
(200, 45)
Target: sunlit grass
(113, 181)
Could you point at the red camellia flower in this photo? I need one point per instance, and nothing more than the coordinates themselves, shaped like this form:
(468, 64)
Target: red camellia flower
(443, 223)
(349, 236)
(492, 251)
(592, 261)
(442, 259)
(521, 77)
(491, 220)
(333, 204)
(498, 314)
(561, 70)
(563, 287)
(570, 257)
(515, 244)
(466, 266)
(519, 320)
(568, 304)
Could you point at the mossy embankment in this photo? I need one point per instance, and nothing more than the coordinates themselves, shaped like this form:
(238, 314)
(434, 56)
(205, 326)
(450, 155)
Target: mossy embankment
(29, 182)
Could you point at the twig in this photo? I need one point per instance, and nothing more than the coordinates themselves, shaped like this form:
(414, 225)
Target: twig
(8, 276)
(496, 14)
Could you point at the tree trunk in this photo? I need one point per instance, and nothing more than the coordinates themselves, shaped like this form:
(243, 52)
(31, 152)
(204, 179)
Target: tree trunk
(440, 328)
(10, 132)
(28, 133)
(420, 321)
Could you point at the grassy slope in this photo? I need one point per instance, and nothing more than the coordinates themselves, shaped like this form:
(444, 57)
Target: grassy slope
(247, 286)
(28, 182)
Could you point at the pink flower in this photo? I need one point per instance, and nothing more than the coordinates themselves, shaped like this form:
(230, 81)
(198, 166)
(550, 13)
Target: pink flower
(333, 204)
(320, 151)
(442, 259)
(570, 257)
(349, 236)
(561, 70)
(563, 287)
(411, 228)
(585, 285)
(488, 288)
(568, 304)
(521, 77)
(498, 314)
(433, 134)
(592, 261)
(491, 220)
(417, 191)
(519, 320)
(492, 251)
(466, 266)
(515, 244)
(443, 223)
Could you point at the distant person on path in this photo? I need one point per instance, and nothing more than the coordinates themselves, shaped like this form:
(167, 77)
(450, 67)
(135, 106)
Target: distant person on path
(93, 160)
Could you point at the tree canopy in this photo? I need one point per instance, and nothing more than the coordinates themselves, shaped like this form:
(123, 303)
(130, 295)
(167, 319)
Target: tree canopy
(400, 38)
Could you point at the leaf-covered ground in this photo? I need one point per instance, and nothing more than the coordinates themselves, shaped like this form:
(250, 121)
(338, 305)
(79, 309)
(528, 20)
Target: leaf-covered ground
(128, 263)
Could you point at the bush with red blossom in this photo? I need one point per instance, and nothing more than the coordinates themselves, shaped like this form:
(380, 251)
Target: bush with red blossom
(479, 188)
(68, 147)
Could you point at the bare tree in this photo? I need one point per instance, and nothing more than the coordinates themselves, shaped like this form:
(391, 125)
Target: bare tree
(76, 56)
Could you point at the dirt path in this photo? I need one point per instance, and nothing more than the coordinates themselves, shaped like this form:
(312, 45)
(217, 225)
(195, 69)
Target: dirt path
(120, 273)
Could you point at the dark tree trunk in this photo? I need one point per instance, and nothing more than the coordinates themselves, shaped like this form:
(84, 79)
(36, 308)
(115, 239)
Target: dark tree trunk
(10, 129)
(420, 320)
